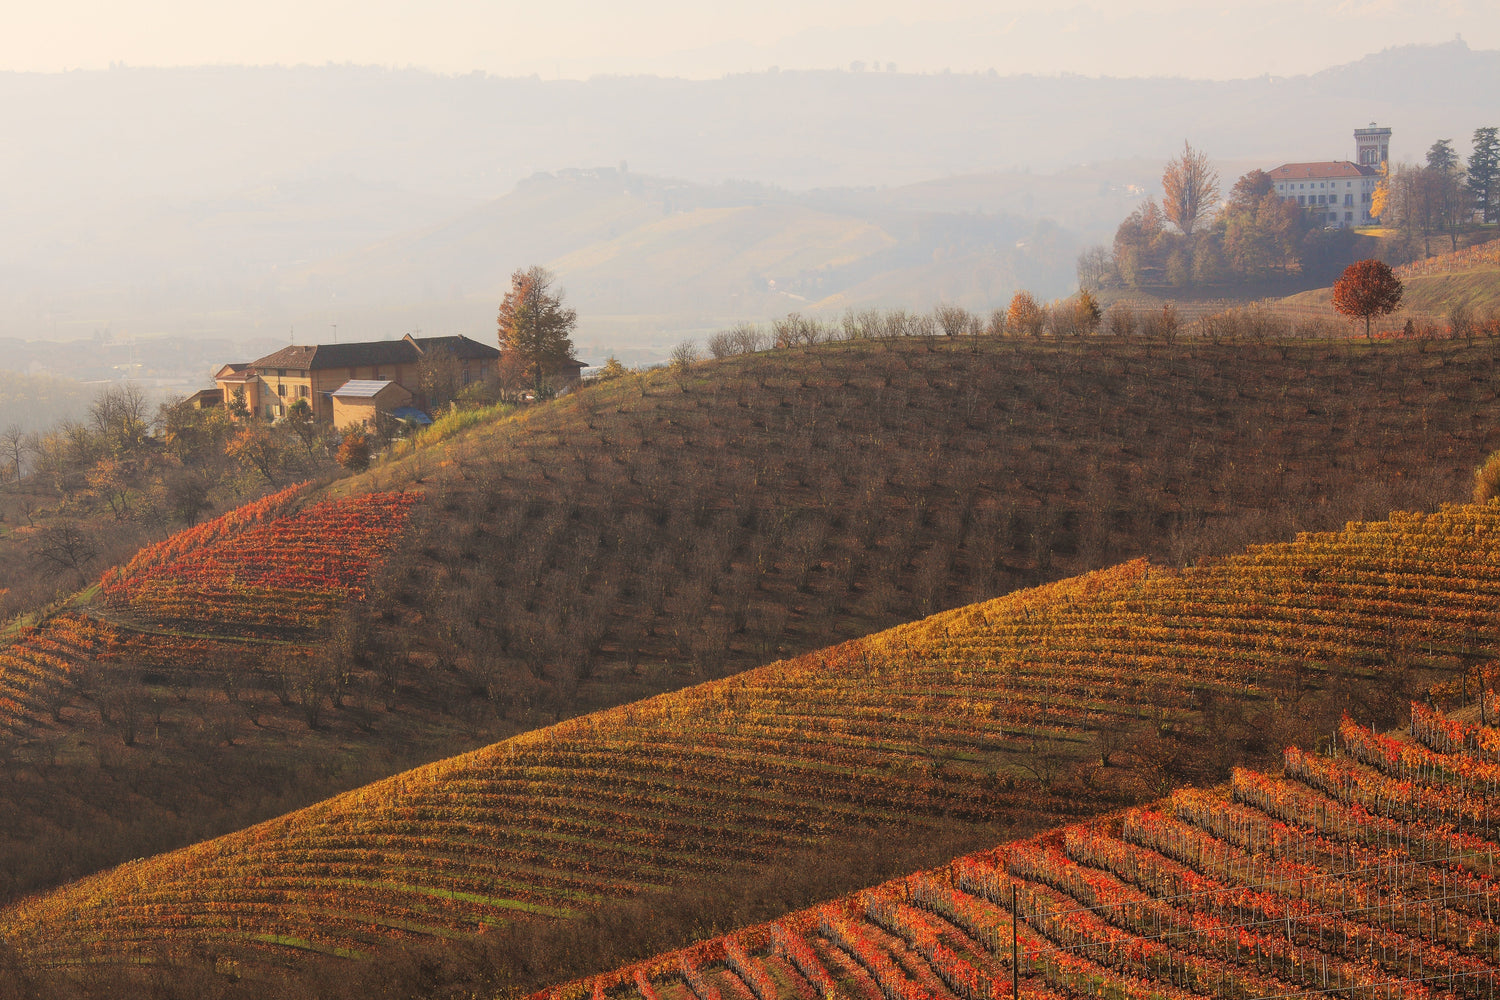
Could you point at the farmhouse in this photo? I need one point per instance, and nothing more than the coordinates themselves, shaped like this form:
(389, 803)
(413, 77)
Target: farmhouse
(1337, 193)
(320, 373)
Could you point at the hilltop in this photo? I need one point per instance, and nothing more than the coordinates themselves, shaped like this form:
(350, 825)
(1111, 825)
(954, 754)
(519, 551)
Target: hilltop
(520, 861)
(647, 534)
(234, 193)
(1368, 871)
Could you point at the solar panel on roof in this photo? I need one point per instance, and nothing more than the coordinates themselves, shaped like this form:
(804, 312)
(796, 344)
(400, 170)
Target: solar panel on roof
(361, 388)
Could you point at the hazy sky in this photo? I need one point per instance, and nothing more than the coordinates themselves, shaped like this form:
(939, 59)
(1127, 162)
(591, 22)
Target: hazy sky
(704, 38)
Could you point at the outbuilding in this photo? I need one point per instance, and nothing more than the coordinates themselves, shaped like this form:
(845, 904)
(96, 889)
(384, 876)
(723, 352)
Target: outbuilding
(357, 401)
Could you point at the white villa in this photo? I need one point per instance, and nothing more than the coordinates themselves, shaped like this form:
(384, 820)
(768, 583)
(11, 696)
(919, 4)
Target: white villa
(1337, 193)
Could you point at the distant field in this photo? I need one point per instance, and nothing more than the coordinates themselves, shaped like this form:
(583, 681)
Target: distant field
(1005, 715)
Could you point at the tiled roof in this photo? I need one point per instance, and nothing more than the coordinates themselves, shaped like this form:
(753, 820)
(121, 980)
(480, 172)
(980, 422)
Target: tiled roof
(1327, 170)
(288, 357)
(371, 352)
(462, 347)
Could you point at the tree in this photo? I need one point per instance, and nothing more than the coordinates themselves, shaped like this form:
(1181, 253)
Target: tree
(65, 547)
(612, 370)
(299, 417)
(119, 415)
(258, 447)
(1484, 166)
(354, 451)
(1367, 288)
(439, 374)
(1089, 313)
(1139, 245)
(1025, 316)
(1441, 157)
(1487, 479)
(1447, 188)
(1094, 267)
(1250, 189)
(1190, 186)
(15, 445)
(534, 327)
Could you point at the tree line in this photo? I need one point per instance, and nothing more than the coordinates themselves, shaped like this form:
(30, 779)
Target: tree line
(1193, 238)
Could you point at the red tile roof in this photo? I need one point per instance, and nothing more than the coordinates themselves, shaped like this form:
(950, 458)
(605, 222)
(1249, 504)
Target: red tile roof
(1328, 169)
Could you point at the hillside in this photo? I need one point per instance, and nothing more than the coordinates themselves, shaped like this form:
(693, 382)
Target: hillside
(987, 721)
(210, 682)
(1366, 873)
(1432, 288)
(651, 533)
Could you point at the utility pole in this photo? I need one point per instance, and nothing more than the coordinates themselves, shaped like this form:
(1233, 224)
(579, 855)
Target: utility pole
(1015, 964)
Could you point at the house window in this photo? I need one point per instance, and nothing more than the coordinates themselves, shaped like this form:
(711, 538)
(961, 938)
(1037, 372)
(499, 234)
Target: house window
(280, 389)
(466, 374)
(1348, 200)
(302, 391)
(281, 373)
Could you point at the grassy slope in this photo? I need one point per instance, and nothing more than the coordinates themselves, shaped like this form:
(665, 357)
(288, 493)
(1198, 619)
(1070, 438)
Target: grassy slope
(640, 536)
(995, 717)
(1468, 277)
(1272, 885)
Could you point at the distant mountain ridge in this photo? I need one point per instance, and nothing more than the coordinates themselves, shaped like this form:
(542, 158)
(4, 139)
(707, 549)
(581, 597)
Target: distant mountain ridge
(177, 200)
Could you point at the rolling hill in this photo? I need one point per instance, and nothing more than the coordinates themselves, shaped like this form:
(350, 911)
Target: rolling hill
(1366, 872)
(1432, 288)
(988, 720)
(665, 529)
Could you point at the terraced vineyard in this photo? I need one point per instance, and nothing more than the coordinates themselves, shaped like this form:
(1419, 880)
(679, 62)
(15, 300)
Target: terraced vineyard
(262, 565)
(128, 722)
(960, 715)
(1366, 874)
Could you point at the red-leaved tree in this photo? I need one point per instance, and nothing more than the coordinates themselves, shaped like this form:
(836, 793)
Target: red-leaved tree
(1367, 288)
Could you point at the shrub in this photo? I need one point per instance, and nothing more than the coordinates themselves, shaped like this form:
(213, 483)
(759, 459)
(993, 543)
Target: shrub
(354, 451)
(1487, 479)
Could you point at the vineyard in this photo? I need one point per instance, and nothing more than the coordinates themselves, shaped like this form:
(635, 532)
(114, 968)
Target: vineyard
(1368, 873)
(261, 565)
(137, 722)
(980, 715)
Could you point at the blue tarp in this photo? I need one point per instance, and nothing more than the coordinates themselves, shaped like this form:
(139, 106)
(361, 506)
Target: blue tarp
(413, 414)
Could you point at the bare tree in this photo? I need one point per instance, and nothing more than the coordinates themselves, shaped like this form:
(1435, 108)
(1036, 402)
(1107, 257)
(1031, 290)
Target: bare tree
(1094, 266)
(15, 444)
(64, 547)
(953, 319)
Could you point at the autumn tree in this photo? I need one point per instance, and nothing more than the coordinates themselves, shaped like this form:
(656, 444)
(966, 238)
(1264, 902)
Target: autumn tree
(1024, 315)
(534, 326)
(1367, 288)
(1190, 187)
(354, 451)
(1088, 313)
(259, 448)
(1487, 479)
(1140, 245)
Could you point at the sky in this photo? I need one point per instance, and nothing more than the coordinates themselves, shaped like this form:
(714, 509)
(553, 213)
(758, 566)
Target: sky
(578, 39)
